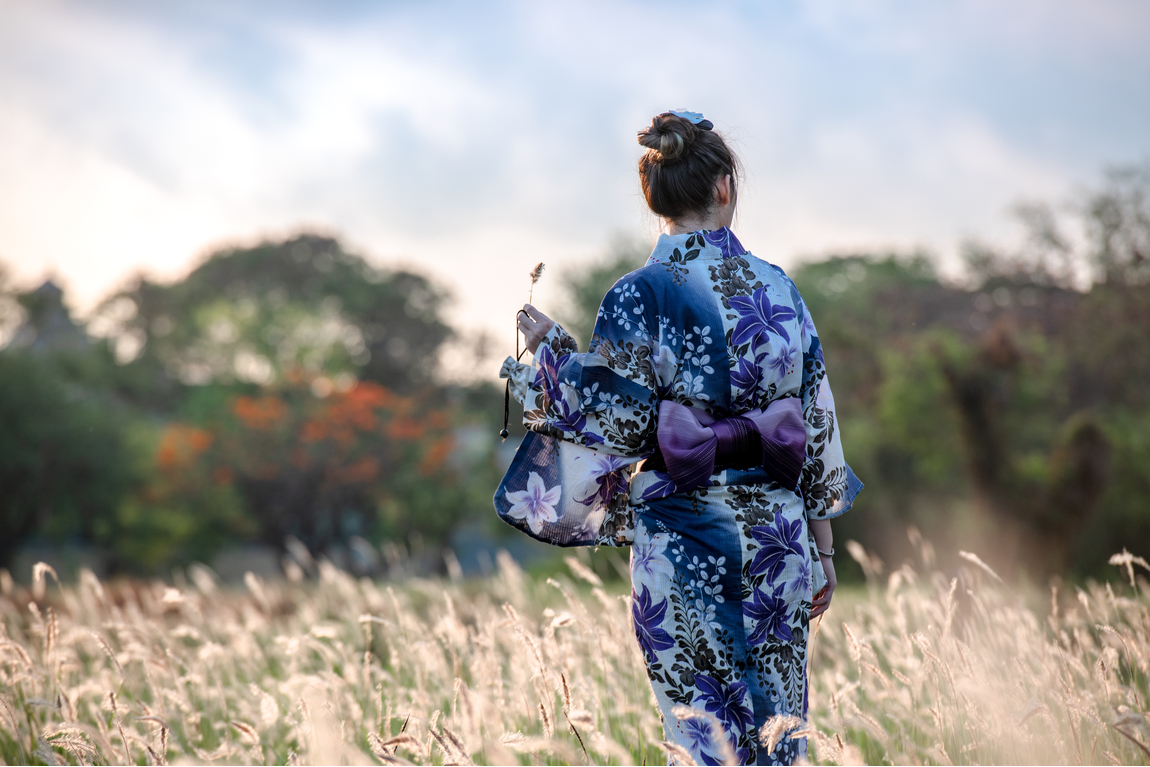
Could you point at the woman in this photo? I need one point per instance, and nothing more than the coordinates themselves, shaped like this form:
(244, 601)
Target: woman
(706, 364)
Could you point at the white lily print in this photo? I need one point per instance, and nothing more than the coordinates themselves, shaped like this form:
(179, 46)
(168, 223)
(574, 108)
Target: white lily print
(536, 504)
(649, 563)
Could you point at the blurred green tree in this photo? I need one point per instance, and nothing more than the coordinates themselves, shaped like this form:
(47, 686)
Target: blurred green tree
(1024, 378)
(179, 509)
(258, 314)
(64, 462)
(1118, 226)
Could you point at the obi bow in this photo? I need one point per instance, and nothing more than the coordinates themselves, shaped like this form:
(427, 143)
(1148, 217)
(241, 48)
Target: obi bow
(692, 442)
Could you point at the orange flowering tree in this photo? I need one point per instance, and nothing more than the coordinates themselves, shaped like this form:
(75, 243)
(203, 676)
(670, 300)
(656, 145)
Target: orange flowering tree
(359, 461)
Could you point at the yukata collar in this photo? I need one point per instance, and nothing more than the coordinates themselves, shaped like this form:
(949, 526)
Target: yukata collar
(717, 243)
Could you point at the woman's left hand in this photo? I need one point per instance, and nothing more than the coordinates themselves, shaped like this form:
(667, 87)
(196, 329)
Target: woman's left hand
(822, 599)
(534, 325)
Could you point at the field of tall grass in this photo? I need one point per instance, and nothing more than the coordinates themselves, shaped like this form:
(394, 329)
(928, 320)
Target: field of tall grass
(917, 667)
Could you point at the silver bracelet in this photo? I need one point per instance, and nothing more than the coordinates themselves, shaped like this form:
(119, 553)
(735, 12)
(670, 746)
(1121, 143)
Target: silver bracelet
(827, 554)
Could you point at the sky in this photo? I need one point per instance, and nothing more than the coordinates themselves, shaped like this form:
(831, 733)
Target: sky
(471, 141)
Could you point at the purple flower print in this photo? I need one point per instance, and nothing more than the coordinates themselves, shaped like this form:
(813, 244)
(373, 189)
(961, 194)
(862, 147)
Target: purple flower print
(784, 360)
(697, 732)
(808, 329)
(776, 541)
(801, 579)
(724, 239)
(647, 618)
(547, 377)
(548, 365)
(661, 487)
(747, 378)
(608, 477)
(727, 702)
(770, 616)
(758, 316)
(570, 418)
(742, 756)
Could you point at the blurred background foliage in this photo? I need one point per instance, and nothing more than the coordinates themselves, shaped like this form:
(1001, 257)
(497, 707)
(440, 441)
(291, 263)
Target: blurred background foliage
(285, 391)
(294, 392)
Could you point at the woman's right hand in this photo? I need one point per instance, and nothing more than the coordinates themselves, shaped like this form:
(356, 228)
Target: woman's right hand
(534, 325)
(822, 599)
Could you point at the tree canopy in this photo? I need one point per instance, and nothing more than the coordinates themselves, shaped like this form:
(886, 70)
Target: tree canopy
(304, 306)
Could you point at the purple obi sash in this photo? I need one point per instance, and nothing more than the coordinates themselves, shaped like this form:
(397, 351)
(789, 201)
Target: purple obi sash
(693, 442)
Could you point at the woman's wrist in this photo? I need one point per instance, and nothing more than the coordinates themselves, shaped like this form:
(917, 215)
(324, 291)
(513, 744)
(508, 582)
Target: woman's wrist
(822, 537)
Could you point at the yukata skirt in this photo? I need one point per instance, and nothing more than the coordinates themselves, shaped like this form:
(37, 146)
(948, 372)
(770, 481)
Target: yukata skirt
(721, 599)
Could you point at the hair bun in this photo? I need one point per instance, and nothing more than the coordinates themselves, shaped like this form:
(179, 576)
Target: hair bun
(684, 160)
(669, 135)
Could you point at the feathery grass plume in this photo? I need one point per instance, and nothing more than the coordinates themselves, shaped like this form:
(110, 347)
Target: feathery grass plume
(34, 611)
(38, 582)
(90, 583)
(456, 743)
(562, 619)
(545, 716)
(536, 273)
(20, 652)
(82, 750)
(454, 751)
(871, 565)
(108, 651)
(583, 718)
(158, 757)
(566, 691)
(1129, 560)
(51, 633)
(678, 754)
(375, 743)
(719, 739)
(852, 644)
(974, 560)
(247, 731)
(385, 750)
(45, 753)
(582, 571)
(124, 741)
(256, 585)
(9, 714)
(1130, 720)
(778, 728)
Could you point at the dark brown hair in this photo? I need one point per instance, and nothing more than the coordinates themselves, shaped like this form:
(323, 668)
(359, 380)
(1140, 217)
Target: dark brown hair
(681, 166)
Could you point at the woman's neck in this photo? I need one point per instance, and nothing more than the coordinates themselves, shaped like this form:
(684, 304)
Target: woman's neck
(688, 224)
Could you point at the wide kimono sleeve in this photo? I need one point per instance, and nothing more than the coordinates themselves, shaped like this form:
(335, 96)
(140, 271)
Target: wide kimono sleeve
(828, 486)
(590, 416)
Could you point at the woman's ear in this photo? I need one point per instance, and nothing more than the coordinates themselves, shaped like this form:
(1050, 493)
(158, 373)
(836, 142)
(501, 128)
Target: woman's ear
(723, 190)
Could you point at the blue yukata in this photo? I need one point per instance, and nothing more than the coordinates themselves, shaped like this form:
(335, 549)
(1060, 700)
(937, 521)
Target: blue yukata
(722, 574)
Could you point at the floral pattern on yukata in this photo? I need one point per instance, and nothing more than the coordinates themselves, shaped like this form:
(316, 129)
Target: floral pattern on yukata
(722, 576)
